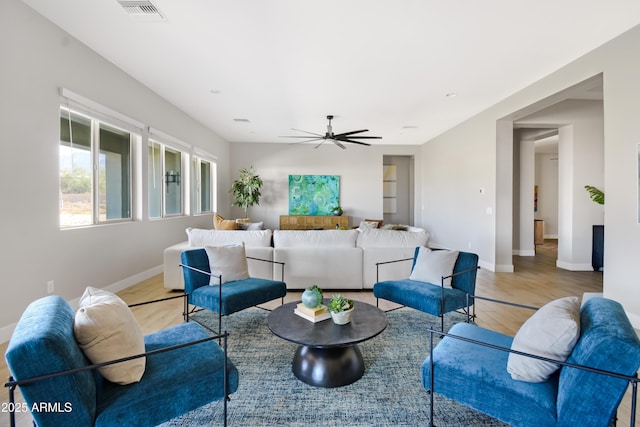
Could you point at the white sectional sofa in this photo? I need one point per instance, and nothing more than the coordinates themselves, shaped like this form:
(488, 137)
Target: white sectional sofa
(331, 259)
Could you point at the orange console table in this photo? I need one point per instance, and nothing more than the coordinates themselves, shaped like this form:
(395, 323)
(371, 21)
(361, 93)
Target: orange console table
(308, 222)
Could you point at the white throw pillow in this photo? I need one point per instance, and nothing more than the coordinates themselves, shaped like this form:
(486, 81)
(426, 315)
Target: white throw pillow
(230, 262)
(431, 266)
(551, 332)
(106, 330)
(367, 225)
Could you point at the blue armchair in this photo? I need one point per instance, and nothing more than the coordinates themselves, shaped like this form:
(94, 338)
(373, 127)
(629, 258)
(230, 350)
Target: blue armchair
(225, 298)
(435, 299)
(185, 369)
(469, 366)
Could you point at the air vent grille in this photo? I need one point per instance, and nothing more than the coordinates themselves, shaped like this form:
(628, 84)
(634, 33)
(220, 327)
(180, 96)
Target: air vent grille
(140, 8)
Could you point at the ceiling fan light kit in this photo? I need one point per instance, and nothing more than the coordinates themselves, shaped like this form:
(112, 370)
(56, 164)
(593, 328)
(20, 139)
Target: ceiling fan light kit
(336, 138)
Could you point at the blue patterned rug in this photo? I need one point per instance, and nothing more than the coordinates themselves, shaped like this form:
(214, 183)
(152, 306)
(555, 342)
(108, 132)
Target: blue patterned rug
(389, 394)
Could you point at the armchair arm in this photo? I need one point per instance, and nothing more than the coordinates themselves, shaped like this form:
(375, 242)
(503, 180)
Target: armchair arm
(632, 380)
(378, 264)
(272, 262)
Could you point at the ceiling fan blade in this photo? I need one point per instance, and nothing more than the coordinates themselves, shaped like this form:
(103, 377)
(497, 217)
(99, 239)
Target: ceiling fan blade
(305, 131)
(307, 140)
(358, 137)
(355, 142)
(323, 140)
(339, 144)
(352, 132)
(300, 136)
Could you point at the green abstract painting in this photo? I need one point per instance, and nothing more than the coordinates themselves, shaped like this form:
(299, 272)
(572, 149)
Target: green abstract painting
(313, 194)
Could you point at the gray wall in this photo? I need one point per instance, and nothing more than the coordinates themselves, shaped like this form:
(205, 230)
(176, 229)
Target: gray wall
(478, 152)
(37, 59)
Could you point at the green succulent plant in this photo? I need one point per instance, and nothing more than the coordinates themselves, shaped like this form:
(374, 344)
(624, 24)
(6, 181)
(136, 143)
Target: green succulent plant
(339, 303)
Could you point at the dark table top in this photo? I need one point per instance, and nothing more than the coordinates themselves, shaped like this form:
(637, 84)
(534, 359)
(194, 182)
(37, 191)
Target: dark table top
(367, 322)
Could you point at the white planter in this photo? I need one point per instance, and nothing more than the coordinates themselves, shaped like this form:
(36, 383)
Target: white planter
(342, 317)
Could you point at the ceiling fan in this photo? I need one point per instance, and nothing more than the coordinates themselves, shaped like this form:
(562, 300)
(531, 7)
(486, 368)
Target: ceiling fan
(336, 138)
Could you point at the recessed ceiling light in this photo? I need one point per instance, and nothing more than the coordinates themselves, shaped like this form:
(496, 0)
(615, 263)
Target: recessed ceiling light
(451, 95)
(241, 120)
(215, 91)
(409, 127)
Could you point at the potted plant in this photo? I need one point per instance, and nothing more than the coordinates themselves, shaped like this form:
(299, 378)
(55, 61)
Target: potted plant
(312, 297)
(337, 211)
(597, 243)
(341, 309)
(246, 189)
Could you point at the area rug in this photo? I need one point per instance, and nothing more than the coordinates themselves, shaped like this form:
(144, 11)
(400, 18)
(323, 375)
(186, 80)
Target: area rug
(389, 394)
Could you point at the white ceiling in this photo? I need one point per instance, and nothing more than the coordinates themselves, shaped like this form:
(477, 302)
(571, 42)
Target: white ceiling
(382, 65)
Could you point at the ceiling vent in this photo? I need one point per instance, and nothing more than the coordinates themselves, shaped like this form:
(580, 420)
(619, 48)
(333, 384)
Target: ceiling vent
(141, 9)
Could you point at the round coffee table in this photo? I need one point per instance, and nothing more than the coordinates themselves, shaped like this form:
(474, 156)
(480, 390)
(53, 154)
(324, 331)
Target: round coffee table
(328, 355)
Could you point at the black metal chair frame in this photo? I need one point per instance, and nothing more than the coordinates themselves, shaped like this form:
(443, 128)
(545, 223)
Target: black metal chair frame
(632, 380)
(11, 384)
(466, 311)
(187, 312)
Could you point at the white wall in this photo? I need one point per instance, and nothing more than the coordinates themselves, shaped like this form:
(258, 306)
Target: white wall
(547, 182)
(359, 168)
(484, 139)
(37, 59)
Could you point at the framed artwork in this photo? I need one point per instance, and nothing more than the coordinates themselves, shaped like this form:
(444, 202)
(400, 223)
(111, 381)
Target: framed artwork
(313, 194)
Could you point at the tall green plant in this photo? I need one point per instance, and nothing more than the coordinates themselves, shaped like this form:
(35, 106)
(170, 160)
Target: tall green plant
(246, 189)
(596, 194)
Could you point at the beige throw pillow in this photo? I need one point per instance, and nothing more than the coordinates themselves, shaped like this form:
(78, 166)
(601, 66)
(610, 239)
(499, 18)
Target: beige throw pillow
(551, 332)
(431, 266)
(230, 262)
(106, 330)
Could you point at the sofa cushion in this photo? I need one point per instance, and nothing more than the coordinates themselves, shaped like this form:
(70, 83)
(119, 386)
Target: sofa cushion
(315, 238)
(220, 223)
(106, 330)
(551, 332)
(380, 238)
(229, 262)
(199, 238)
(432, 266)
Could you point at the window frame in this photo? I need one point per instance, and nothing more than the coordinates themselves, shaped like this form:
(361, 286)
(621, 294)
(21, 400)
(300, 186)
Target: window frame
(98, 122)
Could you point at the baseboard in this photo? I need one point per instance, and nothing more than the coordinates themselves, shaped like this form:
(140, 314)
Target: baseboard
(524, 252)
(7, 330)
(573, 267)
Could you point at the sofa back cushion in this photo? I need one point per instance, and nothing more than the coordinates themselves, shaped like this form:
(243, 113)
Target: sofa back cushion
(608, 342)
(199, 238)
(315, 238)
(43, 343)
(379, 238)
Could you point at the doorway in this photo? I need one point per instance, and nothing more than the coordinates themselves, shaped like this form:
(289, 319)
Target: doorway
(398, 189)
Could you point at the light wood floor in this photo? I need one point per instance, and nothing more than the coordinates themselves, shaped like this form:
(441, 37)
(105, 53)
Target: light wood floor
(535, 282)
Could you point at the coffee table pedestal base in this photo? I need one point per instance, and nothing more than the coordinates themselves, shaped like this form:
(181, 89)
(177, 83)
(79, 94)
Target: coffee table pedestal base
(328, 367)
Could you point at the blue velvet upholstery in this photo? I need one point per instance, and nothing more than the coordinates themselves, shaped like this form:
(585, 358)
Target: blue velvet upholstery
(236, 295)
(428, 297)
(174, 382)
(477, 376)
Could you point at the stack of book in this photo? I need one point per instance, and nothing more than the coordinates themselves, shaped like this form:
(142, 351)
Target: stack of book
(314, 315)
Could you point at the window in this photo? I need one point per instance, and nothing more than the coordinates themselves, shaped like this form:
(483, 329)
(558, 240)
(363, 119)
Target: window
(204, 181)
(95, 171)
(166, 180)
